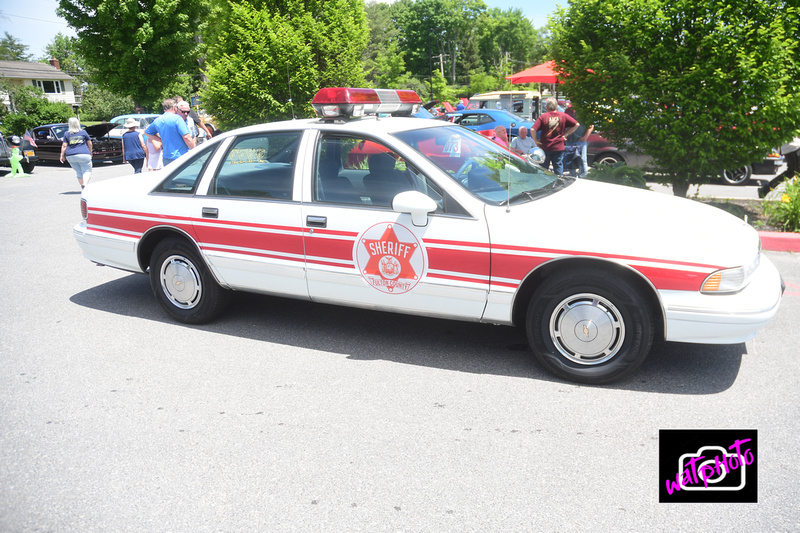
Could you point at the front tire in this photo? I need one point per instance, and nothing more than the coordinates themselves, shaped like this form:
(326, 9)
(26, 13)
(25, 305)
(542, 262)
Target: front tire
(183, 285)
(589, 327)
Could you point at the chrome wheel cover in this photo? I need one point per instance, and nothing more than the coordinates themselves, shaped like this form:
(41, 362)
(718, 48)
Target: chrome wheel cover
(736, 177)
(587, 329)
(180, 282)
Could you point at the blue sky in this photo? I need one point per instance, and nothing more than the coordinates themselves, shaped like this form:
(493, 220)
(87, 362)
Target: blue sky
(536, 11)
(34, 22)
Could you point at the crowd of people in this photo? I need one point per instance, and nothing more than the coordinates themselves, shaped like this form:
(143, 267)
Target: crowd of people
(175, 132)
(557, 133)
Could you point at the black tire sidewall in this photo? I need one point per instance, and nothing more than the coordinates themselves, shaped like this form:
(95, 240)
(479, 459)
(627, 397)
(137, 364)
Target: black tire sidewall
(624, 296)
(212, 298)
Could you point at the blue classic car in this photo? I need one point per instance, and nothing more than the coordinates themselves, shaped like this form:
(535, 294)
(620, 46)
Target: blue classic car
(489, 119)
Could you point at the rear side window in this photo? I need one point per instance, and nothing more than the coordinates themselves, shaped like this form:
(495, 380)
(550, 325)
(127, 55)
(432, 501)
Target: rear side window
(259, 166)
(185, 181)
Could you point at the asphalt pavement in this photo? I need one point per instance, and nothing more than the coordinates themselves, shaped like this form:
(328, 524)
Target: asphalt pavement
(289, 416)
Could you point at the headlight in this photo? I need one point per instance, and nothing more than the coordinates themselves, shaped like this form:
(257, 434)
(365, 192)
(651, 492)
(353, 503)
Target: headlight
(731, 279)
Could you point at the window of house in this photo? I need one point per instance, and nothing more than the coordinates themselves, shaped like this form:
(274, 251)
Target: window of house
(50, 86)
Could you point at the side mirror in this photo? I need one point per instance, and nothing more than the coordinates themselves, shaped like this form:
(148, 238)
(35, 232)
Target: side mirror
(416, 204)
(536, 156)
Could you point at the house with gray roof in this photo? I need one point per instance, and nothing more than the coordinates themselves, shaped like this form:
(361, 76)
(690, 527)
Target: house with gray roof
(57, 85)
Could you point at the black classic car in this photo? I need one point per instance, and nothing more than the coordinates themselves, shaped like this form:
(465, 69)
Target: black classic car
(26, 151)
(601, 151)
(49, 138)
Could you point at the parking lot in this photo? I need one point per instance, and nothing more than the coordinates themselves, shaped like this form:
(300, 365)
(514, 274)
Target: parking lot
(290, 416)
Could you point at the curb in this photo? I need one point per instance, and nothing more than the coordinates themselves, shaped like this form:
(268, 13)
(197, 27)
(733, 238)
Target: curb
(780, 242)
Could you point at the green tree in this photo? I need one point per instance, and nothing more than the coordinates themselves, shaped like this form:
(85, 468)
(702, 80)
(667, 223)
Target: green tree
(136, 48)
(28, 108)
(390, 71)
(64, 48)
(700, 85)
(481, 82)
(102, 105)
(12, 49)
(383, 33)
(441, 90)
(438, 31)
(508, 42)
(268, 58)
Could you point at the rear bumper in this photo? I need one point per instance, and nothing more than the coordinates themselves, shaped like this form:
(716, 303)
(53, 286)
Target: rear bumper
(116, 251)
(769, 165)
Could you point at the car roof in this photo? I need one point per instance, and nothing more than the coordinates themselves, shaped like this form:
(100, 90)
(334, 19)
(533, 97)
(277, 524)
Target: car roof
(135, 115)
(369, 125)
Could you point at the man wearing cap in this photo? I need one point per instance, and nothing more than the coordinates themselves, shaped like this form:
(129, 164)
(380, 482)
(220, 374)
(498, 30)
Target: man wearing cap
(134, 150)
(170, 128)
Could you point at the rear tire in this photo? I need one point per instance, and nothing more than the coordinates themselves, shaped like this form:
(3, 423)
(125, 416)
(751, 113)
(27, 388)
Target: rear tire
(740, 176)
(183, 284)
(28, 166)
(606, 159)
(590, 327)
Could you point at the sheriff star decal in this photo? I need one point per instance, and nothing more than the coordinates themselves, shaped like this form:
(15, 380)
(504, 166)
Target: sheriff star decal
(390, 258)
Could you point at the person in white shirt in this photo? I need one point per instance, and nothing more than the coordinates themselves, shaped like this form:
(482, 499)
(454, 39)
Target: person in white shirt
(523, 144)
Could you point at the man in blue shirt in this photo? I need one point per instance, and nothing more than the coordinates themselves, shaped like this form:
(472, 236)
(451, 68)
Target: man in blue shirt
(171, 129)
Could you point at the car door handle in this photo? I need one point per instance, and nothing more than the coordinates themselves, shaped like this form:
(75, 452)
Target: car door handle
(316, 222)
(210, 212)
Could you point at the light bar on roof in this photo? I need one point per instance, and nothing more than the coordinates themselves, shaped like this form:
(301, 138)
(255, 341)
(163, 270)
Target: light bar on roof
(345, 102)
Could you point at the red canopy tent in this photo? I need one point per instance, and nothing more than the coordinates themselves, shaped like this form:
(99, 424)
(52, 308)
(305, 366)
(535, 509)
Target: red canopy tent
(544, 73)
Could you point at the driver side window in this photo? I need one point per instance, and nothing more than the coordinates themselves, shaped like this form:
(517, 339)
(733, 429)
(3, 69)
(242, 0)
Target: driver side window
(358, 171)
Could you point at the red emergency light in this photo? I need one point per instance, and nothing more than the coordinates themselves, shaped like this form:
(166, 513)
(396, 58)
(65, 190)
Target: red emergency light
(348, 102)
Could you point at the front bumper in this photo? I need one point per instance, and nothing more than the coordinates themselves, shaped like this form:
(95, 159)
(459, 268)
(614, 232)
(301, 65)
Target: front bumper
(724, 319)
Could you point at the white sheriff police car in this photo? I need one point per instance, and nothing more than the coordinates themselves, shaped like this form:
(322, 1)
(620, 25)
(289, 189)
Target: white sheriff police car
(425, 217)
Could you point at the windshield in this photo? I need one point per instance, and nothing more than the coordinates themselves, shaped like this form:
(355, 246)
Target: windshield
(513, 116)
(484, 168)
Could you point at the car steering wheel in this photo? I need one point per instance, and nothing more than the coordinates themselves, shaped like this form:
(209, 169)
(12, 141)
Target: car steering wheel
(460, 175)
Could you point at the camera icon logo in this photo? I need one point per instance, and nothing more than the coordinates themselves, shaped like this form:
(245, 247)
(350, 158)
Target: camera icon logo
(713, 468)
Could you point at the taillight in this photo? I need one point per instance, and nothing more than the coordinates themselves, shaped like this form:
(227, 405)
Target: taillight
(84, 209)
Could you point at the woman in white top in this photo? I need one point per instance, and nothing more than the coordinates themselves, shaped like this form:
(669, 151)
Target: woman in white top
(155, 155)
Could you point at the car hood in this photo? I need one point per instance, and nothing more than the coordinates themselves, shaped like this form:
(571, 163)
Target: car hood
(98, 130)
(623, 222)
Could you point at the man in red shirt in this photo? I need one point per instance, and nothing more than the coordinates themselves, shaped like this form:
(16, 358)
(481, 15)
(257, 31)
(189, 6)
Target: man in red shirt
(553, 128)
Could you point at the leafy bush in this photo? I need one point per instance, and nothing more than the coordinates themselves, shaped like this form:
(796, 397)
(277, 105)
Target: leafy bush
(101, 104)
(619, 174)
(785, 213)
(30, 108)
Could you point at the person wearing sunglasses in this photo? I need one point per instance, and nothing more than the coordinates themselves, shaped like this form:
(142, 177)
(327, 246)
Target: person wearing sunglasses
(171, 129)
(199, 130)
